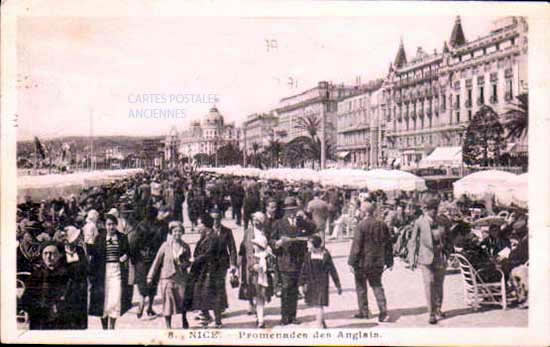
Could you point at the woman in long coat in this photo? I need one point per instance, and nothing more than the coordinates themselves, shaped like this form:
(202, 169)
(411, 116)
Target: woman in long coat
(172, 261)
(255, 275)
(145, 245)
(109, 294)
(204, 269)
(77, 268)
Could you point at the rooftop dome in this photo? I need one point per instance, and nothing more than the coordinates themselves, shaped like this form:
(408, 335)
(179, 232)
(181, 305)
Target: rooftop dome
(213, 117)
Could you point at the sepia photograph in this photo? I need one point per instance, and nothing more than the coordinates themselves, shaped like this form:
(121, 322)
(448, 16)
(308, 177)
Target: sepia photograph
(290, 178)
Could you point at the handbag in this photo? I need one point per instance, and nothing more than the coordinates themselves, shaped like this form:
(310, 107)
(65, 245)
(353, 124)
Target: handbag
(234, 280)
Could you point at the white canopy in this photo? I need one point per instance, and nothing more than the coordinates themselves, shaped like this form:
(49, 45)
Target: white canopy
(391, 180)
(55, 185)
(480, 183)
(515, 191)
(443, 156)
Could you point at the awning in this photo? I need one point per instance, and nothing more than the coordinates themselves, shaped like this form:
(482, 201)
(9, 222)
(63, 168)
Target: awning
(443, 156)
(342, 155)
(516, 148)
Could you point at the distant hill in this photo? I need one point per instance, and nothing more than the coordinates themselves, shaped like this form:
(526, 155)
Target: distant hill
(80, 144)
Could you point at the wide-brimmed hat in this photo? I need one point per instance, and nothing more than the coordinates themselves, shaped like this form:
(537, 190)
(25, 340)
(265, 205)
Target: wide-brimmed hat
(290, 203)
(72, 233)
(114, 212)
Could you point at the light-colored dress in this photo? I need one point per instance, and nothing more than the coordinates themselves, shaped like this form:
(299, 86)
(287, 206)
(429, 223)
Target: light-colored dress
(113, 279)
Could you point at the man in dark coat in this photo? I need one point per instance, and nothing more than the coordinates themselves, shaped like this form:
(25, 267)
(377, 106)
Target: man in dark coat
(289, 242)
(237, 199)
(251, 204)
(371, 249)
(227, 257)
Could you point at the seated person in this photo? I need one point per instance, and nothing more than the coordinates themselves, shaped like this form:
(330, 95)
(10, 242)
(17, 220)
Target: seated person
(469, 248)
(495, 242)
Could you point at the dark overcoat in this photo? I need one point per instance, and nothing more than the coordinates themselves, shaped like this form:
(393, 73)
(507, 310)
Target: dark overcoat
(97, 275)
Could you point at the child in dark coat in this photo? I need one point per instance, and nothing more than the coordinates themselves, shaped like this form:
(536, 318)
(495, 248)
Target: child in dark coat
(314, 281)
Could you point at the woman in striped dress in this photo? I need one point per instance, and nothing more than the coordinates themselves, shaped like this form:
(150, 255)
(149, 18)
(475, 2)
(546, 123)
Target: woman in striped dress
(109, 295)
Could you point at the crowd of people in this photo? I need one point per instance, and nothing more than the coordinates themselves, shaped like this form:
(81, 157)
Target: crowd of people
(82, 256)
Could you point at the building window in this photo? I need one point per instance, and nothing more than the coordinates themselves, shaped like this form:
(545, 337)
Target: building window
(469, 98)
(481, 99)
(458, 117)
(494, 97)
(469, 115)
(509, 89)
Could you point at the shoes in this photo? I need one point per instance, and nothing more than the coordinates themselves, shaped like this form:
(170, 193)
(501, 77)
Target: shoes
(151, 313)
(261, 325)
(294, 321)
(432, 319)
(284, 322)
(382, 317)
(325, 325)
(140, 313)
(218, 325)
(185, 324)
(361, 316)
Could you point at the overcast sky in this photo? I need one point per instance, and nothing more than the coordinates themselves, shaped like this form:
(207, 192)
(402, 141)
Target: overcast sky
(73, 69)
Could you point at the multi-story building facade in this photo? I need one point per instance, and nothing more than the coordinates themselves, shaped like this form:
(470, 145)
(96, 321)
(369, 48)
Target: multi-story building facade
(432, 98)
(208, 136)
(357, 126)
(258, 130)
(320, 101)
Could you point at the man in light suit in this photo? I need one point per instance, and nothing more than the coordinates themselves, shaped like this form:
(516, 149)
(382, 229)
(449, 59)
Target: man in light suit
(429, 237)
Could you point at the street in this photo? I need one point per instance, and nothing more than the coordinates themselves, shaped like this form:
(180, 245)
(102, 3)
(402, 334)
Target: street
(404, 293)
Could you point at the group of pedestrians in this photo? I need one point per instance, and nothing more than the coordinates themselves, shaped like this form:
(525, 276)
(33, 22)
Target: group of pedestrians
(86, 255)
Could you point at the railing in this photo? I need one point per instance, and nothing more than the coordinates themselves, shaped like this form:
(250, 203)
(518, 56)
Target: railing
(493, 99)
(508, 96)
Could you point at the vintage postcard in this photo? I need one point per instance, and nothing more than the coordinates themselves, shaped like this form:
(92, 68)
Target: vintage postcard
(301, 173)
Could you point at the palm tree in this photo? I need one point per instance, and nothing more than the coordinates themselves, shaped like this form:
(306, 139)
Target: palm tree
(255, 148)
(274, 150)
(309, 123)
(516, 118)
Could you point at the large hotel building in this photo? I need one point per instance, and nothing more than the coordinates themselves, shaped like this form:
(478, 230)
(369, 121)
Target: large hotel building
(432, 97)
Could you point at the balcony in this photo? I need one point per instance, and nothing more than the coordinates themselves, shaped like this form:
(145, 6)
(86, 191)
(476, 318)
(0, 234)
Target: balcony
(468, 103)
(493, 99)
(456, 106)
(508, 96)
(480, 101)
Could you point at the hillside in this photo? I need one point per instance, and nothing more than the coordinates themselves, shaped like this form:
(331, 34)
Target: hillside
(80, 144)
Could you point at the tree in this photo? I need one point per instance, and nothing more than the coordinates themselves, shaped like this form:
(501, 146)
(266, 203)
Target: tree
(273, 150)
(516, 118)
(311, 124)
(484, 139)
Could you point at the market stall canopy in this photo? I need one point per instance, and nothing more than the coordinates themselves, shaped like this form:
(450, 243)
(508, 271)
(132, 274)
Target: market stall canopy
(342, 155)
(443, 156)
(481, 183)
